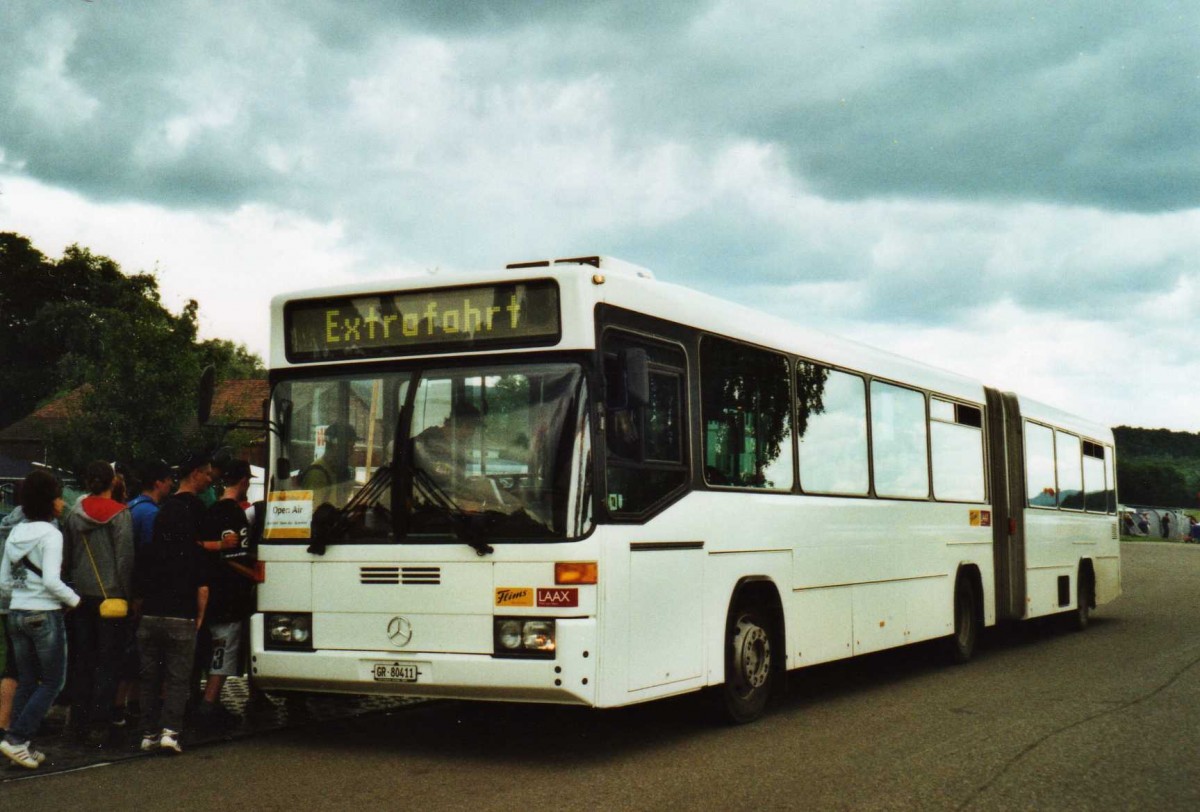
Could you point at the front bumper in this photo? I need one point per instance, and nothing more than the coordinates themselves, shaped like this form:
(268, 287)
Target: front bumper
(569, 678)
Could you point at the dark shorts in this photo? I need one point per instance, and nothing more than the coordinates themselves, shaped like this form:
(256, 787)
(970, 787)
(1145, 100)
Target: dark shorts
(226, 649)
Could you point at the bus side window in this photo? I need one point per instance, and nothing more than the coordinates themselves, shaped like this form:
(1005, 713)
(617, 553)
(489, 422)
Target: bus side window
(1110, 479)
(831, 424)
(646, 458)
(746, 406)
(956, 437)
(1094, 478)
(1068, 454)
(898, 441)
(1041, 490)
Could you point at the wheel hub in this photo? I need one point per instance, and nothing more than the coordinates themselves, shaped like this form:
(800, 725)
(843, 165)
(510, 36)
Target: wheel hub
(753, 655)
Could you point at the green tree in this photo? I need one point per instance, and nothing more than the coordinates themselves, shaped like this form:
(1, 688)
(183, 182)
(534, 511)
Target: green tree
(1154, 484)
(231, 361)
(1158, 466)
(27, 284)
(82, 324)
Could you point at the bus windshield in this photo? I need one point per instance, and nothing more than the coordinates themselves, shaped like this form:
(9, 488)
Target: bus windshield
(482, 453)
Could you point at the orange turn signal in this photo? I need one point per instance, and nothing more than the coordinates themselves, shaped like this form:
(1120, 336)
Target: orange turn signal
(575, 572)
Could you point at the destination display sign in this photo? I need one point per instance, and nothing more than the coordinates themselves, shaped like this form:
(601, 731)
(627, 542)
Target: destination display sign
(441, 320)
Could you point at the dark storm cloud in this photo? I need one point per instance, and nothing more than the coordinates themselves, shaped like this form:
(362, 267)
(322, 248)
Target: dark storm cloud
(902, 137)
(344, 24)
(1067, 102)
(1102, 110)
(1071, 102)
(101, 96)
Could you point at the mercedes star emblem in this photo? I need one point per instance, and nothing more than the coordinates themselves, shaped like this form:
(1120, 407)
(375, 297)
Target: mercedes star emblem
(399, 631)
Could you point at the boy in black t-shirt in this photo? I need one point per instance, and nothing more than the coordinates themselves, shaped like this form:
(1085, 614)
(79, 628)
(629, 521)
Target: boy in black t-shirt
(231, 583)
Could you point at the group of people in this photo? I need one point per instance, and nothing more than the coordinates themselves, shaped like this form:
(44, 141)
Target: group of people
(1138, 523)
(124, 606)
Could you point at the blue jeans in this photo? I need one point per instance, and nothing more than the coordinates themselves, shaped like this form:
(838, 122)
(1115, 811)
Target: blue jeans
(39, 639)
(167, 646)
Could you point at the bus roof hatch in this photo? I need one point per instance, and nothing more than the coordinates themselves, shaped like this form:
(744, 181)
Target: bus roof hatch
(607, 264)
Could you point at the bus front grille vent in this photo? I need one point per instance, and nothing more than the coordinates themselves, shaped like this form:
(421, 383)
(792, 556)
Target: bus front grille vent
(379, 575)
(422, 575)
(416, 576)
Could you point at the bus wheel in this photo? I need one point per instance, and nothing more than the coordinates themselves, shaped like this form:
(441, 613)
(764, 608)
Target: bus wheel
(1082, 615)
(749, 673)
(966, 621)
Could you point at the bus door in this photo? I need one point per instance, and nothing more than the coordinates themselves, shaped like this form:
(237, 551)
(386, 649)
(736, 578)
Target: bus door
(1006, 472)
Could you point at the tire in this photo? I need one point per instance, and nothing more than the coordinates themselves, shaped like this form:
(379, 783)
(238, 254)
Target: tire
(750, 672)
(966, 621)
(1081, 618)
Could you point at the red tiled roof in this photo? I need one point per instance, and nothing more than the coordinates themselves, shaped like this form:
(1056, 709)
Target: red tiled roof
(239, 399)
(32, 426)
(232, 400)
(63, 407)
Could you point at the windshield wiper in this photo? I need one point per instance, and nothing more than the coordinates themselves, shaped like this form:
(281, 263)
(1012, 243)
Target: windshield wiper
(468, 527)
(331, 526)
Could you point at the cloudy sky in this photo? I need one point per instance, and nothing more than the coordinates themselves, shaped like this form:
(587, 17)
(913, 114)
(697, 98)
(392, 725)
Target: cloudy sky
(1009, 190)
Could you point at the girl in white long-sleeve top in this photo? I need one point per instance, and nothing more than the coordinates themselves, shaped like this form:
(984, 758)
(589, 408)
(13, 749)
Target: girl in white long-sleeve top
(31, 572)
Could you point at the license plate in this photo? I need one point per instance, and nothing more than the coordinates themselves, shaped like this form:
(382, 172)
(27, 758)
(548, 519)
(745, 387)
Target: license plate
(396, 672)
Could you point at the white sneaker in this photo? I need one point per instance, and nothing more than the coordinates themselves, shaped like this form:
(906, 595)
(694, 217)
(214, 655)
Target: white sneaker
(149, 742)
(169, 741)
(38, 756)
(19, 754)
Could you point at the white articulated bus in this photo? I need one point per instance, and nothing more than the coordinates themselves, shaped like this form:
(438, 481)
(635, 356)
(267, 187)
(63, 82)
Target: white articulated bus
(568, 482)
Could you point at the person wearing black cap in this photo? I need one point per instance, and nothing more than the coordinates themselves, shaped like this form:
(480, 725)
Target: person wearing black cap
(231, 588)
(171, 584)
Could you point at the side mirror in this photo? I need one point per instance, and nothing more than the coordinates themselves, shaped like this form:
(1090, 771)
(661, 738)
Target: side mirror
(283, 425)
(204, 394)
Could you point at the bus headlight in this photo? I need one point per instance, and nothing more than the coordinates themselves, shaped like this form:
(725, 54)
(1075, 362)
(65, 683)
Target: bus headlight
(539, 635)
(288, 630)
(524, 637)
(508, 634)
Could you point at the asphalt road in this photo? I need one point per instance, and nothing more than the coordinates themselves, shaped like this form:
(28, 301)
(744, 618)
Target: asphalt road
(1042, 719)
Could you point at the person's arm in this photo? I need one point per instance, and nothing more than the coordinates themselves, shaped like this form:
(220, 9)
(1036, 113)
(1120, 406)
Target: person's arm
(243, 570)
(217, 533)
(201, 605)
(145, 535)
(6, 580)
(199, 565)
(123, 547)
(227, 540)
(11, 520)
(69, 550)
(52, 571)
(164, 522)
